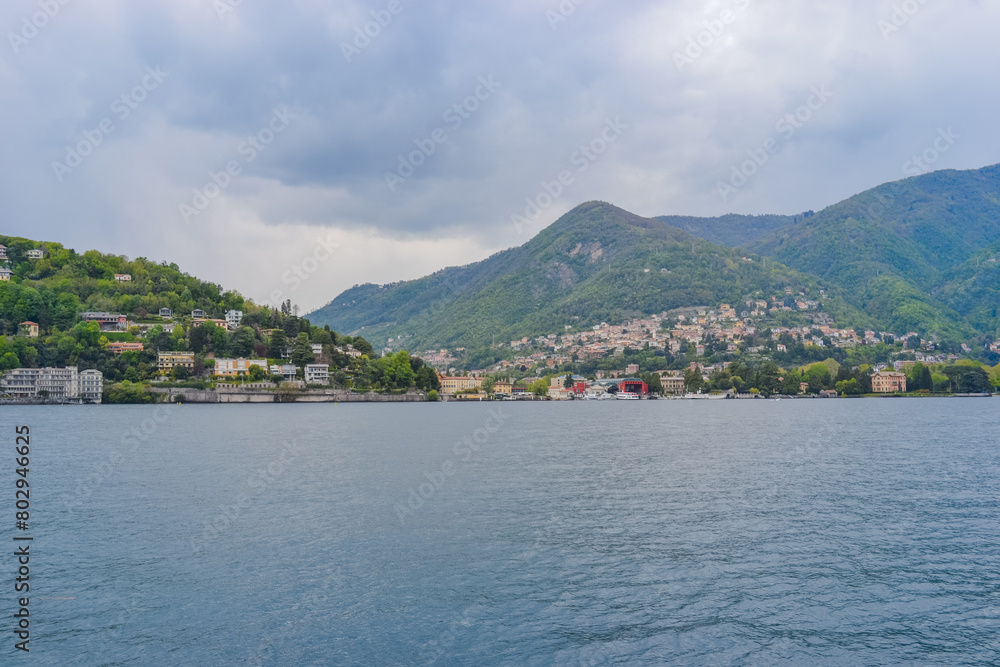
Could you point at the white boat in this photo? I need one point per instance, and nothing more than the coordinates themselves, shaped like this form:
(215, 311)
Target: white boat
(627, 396)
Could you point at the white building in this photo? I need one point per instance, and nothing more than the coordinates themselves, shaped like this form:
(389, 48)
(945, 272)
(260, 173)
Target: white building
(3, 252)
(287, 371)
(166, 313)
(36, 253)
(61, 384)
(317, 374)
(317, 349)
(91, 386)
(123, 277)
(233, 319)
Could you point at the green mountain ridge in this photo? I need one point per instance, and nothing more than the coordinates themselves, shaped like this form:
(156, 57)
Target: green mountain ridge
(913, 255)
(596, 263)
(903, 251)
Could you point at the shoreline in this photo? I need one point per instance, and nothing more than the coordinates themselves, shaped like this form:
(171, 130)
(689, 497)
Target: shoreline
(244, 397)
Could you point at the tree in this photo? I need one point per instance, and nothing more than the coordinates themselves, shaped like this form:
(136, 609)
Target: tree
(277, 344)
(393, 371)
(220, 341)
(427, 379)
(489, 383)
(919, 378)
(9, 361)
(539, 387)
(242, 341)
(849, 387)
(974, 381)
(256, 373)
(363, 346)
(693, 380)
(302, 352)
(199, 338)
(819, 378)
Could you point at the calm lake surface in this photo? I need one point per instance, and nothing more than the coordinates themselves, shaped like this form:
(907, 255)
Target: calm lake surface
(803, 532)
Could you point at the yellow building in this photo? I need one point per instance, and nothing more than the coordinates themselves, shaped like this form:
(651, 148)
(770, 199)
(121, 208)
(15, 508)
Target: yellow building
(672, 382)
(235, 367)
(167, 361)
(503, 387)
(453, 385)
(888, 382)
(30, 329)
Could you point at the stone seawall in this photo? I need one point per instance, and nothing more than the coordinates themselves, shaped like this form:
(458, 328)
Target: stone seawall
(236, 395)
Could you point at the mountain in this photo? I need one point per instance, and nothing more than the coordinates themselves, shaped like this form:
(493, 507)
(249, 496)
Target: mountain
(596, 263)
(732, 229)
(921, 254)
(915, 254)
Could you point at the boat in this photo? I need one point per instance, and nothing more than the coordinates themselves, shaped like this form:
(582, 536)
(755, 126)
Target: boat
(627, 396)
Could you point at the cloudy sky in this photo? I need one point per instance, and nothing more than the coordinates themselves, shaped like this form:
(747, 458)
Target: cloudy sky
(244, 139)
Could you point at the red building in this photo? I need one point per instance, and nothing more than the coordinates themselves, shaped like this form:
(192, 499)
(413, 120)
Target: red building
(634, 386)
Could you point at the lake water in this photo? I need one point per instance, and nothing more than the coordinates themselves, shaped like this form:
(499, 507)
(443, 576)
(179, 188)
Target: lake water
(857, 532)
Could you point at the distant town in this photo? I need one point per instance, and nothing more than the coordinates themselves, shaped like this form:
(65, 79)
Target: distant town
(691, 352)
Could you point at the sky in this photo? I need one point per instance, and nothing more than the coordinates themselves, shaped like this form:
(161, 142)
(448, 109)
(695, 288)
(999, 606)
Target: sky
(291, 150)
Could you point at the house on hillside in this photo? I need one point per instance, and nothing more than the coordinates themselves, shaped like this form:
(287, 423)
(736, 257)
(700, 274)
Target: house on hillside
(117, 347)
(167, 361)
(233, 319)
(29, 329)
(106, 321)
(166, 313)
(123, 277)
(35, 253)
(317, 373)
(5, 273)
(888, 382)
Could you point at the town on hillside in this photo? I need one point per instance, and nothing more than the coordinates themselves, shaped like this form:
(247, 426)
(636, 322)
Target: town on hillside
(700, 351)
(146, 338)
